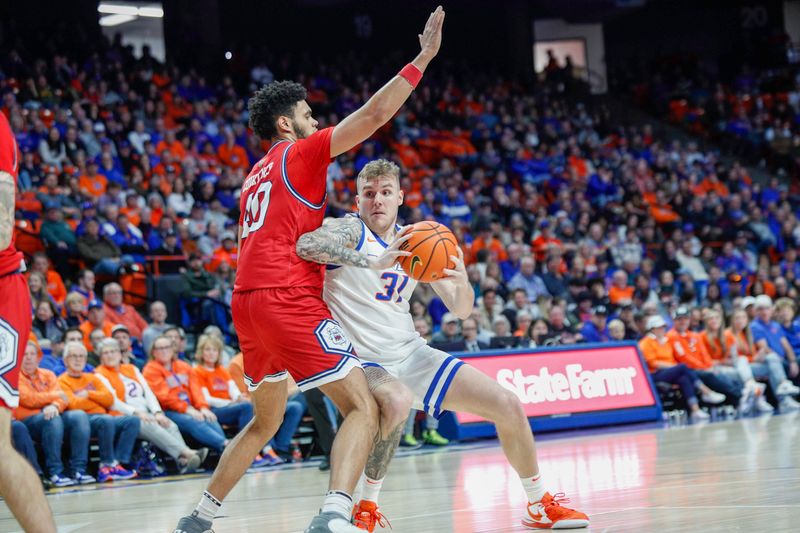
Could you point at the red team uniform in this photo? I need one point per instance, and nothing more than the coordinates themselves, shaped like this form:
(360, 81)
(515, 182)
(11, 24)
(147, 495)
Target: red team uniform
(15, 300)
(282, 322)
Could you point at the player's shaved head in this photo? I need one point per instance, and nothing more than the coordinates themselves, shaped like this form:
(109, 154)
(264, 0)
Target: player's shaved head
(277, 99)
(379, 168)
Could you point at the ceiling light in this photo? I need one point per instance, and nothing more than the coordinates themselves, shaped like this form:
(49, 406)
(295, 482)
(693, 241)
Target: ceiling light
(116, 20)
(151, 12)
(117, 9)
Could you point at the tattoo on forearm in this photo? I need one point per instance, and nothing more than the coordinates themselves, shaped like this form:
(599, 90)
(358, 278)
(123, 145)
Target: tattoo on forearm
(6, 209)
(333, 243)
(382, 453)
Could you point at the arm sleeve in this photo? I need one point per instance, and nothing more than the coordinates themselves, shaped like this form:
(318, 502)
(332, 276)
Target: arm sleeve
(101, 394)
(152, 402)
(233, 390)
(118, 404)
(307, 165)
(196, 391)
(212, 401)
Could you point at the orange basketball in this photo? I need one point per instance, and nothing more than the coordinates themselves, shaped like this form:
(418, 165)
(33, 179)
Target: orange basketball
(431, 245)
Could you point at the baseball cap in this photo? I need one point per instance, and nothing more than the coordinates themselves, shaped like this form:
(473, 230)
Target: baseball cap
(95, 304)
(682, 312)
(88, 205)
(600, 310)
(448, 318)
(747, 301)
(763, 301)
(655, 321)
(120, 327)
(227, 235)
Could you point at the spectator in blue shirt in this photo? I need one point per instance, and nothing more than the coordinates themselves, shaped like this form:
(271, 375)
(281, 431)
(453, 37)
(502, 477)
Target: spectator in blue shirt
(595, 329)
(527, 279)
(54, 363)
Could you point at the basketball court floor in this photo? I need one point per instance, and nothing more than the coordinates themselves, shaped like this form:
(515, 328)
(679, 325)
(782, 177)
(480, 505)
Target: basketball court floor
(741, 475)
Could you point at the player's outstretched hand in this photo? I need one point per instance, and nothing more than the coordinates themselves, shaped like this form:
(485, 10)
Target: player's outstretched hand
(392, 252)
(456, 275)
(431, 37)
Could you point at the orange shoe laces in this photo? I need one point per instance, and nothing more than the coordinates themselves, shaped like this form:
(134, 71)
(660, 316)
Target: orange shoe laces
(369, 519)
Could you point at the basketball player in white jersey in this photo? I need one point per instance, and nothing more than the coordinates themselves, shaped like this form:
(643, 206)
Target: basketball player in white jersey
(373, 308)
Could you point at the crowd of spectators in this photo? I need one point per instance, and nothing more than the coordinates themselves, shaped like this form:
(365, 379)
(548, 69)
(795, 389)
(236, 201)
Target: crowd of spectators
(754, 113)
(574, 227)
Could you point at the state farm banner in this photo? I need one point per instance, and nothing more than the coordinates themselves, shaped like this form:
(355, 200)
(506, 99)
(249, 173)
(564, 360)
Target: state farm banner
(568, 381)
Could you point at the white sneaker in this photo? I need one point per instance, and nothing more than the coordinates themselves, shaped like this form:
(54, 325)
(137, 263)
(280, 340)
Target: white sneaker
(788, 404)
(713, 397)
(763, 406)
(787, 388)
(699, 416)
(747, 402)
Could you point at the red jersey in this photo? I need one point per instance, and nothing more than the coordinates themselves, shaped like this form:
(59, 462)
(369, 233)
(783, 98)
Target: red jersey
(283, 197)
(10, 258)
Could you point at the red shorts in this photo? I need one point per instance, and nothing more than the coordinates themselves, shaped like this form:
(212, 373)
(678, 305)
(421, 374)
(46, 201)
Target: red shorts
(290, 330)
(15, 327)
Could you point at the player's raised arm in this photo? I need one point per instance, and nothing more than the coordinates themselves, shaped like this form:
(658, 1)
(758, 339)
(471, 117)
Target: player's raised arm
(379, 109)
(335, 242)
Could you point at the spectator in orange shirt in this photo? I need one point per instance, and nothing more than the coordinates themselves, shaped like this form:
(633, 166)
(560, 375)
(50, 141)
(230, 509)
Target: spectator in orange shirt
(96, 320)
(116, 434)
(231, 154)
(118, 312)
(690, 349)
(227, 253)
(133, 397)
(486, 240)
(620, 291)
(660, 357)
(168, 377)
(214, 383)
(93, 183)
(55, 284)
(42, 408)
(544, 241)
(720, 347)
(171, 144)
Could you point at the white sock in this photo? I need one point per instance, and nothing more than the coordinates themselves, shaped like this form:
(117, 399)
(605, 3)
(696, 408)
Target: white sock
(208, 507)
(370, 488)
(534, 487)
(338, 502)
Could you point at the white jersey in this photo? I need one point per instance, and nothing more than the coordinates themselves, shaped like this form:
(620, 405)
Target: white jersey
(372, 306)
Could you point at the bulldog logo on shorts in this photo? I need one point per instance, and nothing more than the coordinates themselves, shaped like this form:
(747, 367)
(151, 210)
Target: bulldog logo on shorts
(9, 344)
(332, 338)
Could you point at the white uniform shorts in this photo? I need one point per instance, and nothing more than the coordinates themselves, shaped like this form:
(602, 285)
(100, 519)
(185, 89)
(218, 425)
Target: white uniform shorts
(427, 372)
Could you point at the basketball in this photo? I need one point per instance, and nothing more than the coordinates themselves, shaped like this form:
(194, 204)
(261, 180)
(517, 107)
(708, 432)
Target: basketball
(431, 245)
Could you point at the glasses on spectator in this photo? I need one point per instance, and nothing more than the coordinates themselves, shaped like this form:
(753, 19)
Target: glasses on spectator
(469, 328)
(76, 355)
(163, 347)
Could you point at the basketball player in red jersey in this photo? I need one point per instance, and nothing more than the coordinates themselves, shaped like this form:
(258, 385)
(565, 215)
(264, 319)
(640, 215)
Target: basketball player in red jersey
(283, 324)
(19, 485)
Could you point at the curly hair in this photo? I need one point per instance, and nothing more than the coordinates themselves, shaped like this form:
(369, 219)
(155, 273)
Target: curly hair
(270, 102)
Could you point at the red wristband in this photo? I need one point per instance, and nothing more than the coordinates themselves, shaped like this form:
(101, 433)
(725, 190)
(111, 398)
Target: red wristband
(411, 74)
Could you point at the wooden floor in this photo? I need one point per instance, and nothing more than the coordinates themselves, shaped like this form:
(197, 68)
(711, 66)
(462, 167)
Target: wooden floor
(729, 476)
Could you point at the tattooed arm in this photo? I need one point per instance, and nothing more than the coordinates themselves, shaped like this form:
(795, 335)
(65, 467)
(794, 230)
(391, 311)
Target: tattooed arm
(335, 241)
(6, 209)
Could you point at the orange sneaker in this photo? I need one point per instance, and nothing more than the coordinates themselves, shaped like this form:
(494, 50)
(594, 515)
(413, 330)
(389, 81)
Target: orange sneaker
(366, 516)
(548, 513)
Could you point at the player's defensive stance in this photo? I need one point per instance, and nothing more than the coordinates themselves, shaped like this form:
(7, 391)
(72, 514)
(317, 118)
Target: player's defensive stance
(283, 324)
(19, 484)
(373, 308)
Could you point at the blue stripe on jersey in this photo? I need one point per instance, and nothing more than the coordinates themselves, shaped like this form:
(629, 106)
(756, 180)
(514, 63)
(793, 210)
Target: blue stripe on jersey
(363, 234)
(292, 190)
(367, 363)
(434, 382)
(332, 267)
(437, 408)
